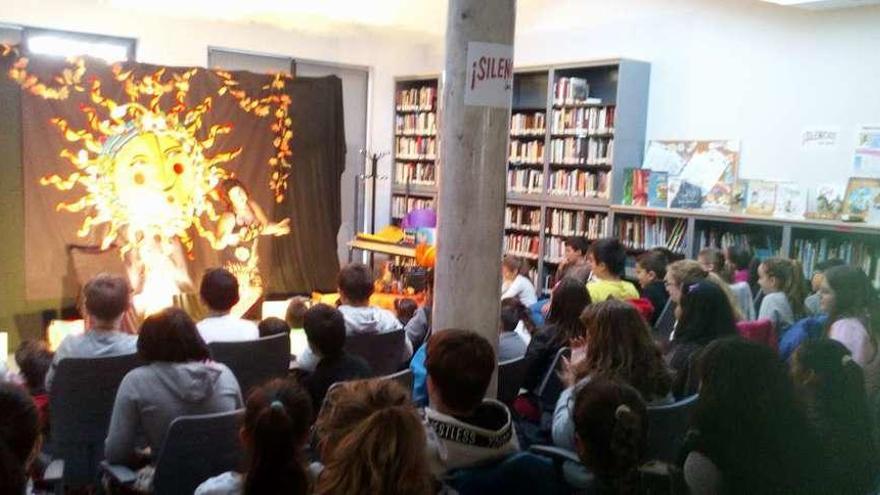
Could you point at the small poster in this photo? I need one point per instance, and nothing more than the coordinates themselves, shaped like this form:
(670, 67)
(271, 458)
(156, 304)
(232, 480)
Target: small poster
(862, 201)
(489, 75)
(819, 138)
(791, 202)
(760, 197)
(866, 162)
(826, 202)
(658, 188)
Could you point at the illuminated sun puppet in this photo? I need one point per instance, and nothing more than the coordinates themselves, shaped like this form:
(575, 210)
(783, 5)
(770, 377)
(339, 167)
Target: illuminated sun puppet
(148, 178)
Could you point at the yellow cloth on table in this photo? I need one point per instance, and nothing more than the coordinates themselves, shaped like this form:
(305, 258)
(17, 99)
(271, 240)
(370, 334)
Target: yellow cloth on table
(380, 300)
(390, 234)
(601, 290)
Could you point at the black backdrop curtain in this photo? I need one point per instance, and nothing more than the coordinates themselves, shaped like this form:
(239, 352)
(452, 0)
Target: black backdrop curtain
(307, 258)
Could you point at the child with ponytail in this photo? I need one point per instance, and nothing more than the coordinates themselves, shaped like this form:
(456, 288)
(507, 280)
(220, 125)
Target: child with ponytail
(782, 281)
(371, 440)
(276, 426)
(831, 385)
(511, 344)
(611, 424)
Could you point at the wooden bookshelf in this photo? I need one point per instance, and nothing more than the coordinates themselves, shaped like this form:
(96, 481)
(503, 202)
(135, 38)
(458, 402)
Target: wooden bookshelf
(416, 144)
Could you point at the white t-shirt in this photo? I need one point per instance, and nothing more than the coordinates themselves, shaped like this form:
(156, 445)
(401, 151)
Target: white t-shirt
(522, 289)
(228, 483)
(227, 328)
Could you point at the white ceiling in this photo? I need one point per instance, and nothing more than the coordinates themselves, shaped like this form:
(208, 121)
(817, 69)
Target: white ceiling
(825, 4)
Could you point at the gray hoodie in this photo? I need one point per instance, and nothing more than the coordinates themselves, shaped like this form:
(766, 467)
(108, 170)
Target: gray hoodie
(152, 396)
(92, 344)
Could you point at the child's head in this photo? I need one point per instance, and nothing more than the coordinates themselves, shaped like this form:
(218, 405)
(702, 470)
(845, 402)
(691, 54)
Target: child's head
(276, 424)
(576, 248)
(296, 310)
(405, 308)
(170, 336)
(512, 313)
(273, 326)
(19, 435)
(371, 440)
(511, 266)
(819, 272)
(711, 259)
(783, 275)
(355, 283)
(608, 258)
(105, 298)
(611, 426)
(739, 258)
(681, 273)
(34, 358)
(460, 365)
(706, 314)
(325, 330)
(846, 292)
(650, 268)
(219, 289)
(567, 302)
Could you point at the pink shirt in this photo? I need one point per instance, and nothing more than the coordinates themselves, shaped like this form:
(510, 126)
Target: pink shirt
(741, 275)
(851, 333)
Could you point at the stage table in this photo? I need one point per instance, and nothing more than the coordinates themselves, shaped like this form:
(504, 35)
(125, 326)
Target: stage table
(381, 300)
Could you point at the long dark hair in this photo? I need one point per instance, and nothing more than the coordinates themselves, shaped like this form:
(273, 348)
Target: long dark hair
(19, 430)
(790, 276)
(611, 420)
(620, 347)
(513, 312)
(569, 299)
(750, 423)
(276, 420)
(854, 297)
(705, 314)
(832, 385)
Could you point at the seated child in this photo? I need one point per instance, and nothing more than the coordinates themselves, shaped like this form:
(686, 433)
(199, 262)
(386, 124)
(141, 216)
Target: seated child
(608, 259)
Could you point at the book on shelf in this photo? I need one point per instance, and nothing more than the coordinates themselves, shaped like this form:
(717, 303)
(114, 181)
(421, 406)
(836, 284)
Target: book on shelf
(649, 232)
(526, 152)
(522, 245)
(683, 194)
(756, 241)
(525, 181)
(579, 183)
(825, 202)
(522, 218)
(415, 148)
(760, 197)
(565, 223)
(570, 91)
(855, 252)
(791, 201)
(415, 124)
(414, 173)
(416, 99)
(584, 120)
(581, 151)
(401, 205)
(658, 188)
(635, 186)
(527, 124)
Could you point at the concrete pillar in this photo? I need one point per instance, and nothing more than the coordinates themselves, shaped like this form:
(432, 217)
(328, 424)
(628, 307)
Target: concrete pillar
(475, 122)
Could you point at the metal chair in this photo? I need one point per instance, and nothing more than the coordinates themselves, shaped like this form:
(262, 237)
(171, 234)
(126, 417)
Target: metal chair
(667, 426)
(384, 352)
(551, 386)
(510, 377)
(254, 362)
(403, 377)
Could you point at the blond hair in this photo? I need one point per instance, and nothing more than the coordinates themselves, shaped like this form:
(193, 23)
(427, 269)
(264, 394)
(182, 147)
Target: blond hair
(687, 272)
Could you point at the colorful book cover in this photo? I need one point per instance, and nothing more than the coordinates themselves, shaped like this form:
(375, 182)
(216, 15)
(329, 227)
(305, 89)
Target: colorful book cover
(658, 187)
(862, 201)
(826, 202)
(760, 197)
(791, 201)
(686, 195)
(640, 187)
(628, 186)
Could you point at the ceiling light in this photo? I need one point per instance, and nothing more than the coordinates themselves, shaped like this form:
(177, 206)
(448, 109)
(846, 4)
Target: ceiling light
(65, 46)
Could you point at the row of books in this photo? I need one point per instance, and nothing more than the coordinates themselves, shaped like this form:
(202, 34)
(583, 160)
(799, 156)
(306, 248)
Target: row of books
(533, 276)
(566, 223)
(525, 181)
(414, 148)
(527, 152)
(401, 205)
(522, 245)
(411, 124)
(528, 124)
(571, 91)
(854, 252)
(584, 120)
(522, 218)
(582, 183)
(763, 244)
(582, 151)
(422, 98)
(416, 173)
(649, 232)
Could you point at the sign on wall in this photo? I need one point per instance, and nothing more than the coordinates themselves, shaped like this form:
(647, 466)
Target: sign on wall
(489, 75)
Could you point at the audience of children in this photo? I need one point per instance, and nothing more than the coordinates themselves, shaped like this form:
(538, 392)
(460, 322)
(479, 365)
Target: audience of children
(832, 386)
(325, 330)
(296, 310)
(371, 440)
(515, 283)
(34, 359)
(853, 310)
(607, 258)
(469, 429)
(105, 300)
(812, 304)
(219, 292)
(274, 432)
(510, 344)
(273, 326)
(685, 272)
(179, 379)
(781, 280)
(618, 346)
(19, 438)
(650, 273)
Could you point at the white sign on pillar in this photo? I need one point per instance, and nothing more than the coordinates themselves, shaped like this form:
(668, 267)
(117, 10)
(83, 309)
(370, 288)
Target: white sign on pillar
(489, 75)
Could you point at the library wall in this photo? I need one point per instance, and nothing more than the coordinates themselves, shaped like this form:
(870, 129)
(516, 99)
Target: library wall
(738, 69)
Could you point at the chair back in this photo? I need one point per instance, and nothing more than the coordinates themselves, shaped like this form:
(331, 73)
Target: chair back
(665, 322)
(195, 449)
(761, 331)
(551, 386)
(403, 377)
(511, 374)
(254, 362)
(382, 351)
(667, 426)
(81, 401)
